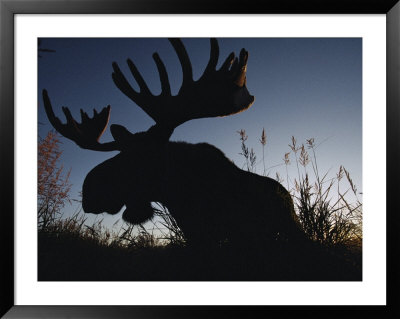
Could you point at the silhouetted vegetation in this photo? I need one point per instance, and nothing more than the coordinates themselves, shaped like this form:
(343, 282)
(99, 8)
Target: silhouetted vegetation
(53, 186)
(324, 211)
(70, 249)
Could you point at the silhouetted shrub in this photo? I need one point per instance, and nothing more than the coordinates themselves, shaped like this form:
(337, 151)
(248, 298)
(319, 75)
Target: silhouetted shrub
(53, 186)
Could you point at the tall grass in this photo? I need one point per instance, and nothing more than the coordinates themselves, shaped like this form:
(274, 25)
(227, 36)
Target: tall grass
(125, 236)
(323, 208)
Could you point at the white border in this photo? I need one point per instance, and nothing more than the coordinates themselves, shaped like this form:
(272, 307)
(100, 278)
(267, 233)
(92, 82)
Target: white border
(372, 290)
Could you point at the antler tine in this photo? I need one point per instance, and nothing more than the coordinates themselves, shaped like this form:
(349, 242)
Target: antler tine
(85, 134)
(214, 55)
(227, 63)
(138, 97)
(184, 60)
(138, 77)
(165, 86)
(121, 83)
(239, 73)
(156, 111)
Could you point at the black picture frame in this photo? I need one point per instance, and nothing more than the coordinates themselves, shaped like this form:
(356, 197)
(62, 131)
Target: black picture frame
(8, 10)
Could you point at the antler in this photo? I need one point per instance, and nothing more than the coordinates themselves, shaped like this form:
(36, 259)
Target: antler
(217, 93)
(85, 134)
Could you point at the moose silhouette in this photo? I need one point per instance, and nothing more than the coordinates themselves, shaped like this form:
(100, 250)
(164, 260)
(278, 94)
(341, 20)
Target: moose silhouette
(210, 198)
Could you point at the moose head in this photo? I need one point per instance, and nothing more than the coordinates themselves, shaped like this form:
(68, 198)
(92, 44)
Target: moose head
(210, 198)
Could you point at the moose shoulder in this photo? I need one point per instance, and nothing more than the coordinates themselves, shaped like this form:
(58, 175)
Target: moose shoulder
(210, 198)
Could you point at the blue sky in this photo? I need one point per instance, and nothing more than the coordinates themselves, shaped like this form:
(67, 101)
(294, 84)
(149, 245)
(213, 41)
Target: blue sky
(304, 87)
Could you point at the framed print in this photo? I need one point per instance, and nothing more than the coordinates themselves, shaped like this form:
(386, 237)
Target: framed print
(184, 202)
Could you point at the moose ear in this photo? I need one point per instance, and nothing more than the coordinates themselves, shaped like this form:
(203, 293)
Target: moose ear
(120, 133)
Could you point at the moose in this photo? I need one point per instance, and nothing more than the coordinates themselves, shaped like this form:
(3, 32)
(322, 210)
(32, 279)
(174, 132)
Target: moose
(211, 199)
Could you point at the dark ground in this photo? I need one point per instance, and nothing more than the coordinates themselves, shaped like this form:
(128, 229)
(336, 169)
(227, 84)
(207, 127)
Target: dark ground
(74, 259)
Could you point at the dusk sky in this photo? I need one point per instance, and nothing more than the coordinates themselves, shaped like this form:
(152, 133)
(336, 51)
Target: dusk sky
(303, 87)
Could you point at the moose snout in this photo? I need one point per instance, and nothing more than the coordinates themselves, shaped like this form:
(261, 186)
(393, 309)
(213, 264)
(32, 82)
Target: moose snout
(100, 192)
(98, 203)
(103, 205)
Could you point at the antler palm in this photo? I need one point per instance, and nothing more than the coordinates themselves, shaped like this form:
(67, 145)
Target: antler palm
(217, 93)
